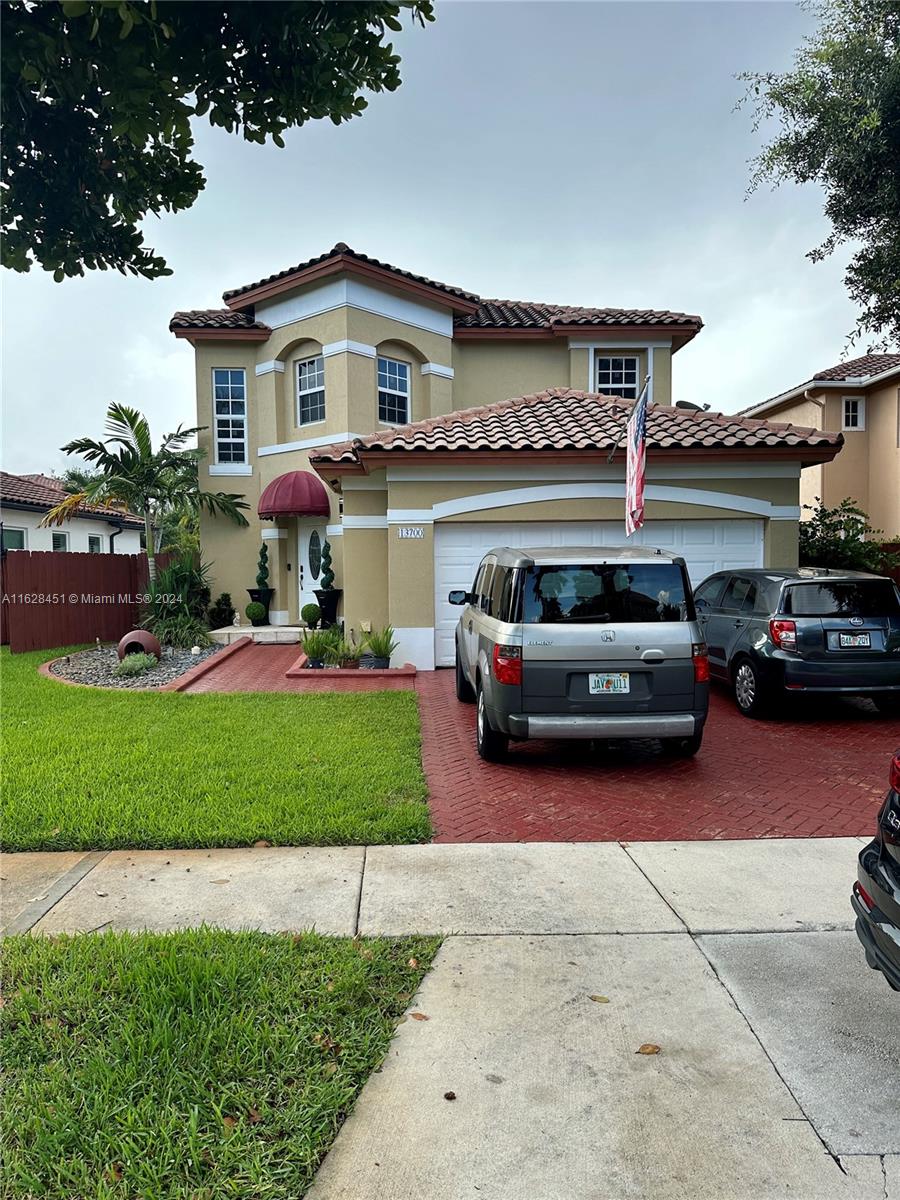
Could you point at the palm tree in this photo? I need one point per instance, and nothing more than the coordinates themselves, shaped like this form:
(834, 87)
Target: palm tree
(130, 475)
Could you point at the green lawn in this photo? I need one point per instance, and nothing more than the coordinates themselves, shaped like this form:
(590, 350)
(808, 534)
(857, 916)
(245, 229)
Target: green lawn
(87, 768)
(201, 1064)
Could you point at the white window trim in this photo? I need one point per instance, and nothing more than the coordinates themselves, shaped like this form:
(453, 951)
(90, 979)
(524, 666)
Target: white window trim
(300, 392)
(231, 417)
(18, 529)
(633, 356)
(63, 533)
(860, 402)
(99, 537)
(407, 395)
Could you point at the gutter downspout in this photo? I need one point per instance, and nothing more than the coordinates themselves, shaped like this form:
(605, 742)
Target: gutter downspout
(117, 526)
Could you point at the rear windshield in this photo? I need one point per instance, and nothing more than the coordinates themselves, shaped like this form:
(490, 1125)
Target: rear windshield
(864, 598)
(608, 593)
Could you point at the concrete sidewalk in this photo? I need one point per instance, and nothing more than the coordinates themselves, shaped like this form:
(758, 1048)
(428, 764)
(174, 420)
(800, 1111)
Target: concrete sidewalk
(777, 1073)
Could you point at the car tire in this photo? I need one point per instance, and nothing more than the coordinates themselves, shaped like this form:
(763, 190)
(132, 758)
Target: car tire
(888, 706)
(491, 745)
(683, 747)
(465, 693)
(749, 694)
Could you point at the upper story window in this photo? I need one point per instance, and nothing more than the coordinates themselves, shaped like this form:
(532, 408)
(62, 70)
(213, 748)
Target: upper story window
(60, 541)
(310, 391)
(617, 376)
(230, 400)
(393, 391)
(854, 413)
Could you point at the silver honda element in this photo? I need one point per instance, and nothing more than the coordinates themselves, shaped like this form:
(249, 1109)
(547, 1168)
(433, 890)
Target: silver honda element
(573, 642)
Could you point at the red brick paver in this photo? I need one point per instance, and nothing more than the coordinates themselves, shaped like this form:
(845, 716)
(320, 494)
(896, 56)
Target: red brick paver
(821, 773)
(261, 668)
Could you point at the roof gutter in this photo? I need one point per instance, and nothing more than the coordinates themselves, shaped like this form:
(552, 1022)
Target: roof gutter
(858, 382)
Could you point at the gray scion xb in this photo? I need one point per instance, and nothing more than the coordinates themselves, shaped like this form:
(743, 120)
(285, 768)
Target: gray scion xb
(582, 642)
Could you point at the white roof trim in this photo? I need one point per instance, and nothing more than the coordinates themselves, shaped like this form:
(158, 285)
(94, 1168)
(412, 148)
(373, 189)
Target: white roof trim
(861, 381)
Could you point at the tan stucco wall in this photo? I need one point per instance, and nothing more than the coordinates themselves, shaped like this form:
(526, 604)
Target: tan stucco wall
(365, 578)
(493, 370)
(883, 428)
(781, 543)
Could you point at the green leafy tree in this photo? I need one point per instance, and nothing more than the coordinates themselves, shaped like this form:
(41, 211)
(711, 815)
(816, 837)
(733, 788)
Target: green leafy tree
(842, 537)
(838, 111)
(131, 475)
(97, 100)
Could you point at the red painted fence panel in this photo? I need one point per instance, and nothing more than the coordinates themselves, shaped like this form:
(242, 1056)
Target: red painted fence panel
(52, 599)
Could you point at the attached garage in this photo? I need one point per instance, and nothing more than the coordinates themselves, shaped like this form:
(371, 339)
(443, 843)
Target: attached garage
(424, 502)
(706, 546)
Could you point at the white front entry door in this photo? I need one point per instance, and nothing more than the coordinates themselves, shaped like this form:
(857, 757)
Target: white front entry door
(706, 546)
(310, 540)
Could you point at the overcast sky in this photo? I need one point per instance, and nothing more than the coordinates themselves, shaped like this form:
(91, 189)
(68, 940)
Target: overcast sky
(584, 153)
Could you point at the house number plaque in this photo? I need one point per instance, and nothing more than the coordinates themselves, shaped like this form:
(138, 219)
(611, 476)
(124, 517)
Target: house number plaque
(411, 531)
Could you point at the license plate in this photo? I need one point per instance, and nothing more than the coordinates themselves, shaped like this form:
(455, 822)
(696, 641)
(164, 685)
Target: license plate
(850, 640)
(615, 683)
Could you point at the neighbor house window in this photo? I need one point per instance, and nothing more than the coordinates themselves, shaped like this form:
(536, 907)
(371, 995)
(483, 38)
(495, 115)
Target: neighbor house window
(854, 413)
(13, 539)
(618, 377)
(393, 391)
(60, 541)
(310, 391)
(95, 546)
(230, 399)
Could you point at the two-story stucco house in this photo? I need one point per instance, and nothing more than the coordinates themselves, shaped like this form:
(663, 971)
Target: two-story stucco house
(861, 398)
(414, 425)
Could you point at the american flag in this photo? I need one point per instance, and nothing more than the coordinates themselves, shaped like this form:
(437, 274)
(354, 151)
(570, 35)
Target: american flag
(635, 463)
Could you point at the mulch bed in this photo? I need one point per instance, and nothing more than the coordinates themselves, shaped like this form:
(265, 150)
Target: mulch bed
(95, 667)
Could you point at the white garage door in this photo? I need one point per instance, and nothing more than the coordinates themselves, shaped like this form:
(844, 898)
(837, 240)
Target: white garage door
(706, 546)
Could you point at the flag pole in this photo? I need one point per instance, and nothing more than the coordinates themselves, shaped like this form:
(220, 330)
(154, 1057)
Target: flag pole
(615, 446)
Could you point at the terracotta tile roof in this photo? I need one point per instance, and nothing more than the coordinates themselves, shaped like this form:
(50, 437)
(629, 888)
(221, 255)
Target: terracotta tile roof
(523, 314)
(41, 492)
(215, 318)
(859, 368)
(342, 249)
(562, 419)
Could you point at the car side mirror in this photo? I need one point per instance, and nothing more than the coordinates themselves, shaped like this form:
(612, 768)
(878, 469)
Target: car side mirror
(459, 597)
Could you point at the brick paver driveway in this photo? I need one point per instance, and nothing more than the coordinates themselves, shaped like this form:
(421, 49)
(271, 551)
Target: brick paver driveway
(820, 773)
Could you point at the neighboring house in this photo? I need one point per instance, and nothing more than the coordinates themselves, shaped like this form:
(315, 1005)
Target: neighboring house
(352, 400)
(26, 499)
(861, 398)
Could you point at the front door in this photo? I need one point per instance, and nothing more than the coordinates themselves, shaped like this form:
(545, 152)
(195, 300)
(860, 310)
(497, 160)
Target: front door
(311, 539)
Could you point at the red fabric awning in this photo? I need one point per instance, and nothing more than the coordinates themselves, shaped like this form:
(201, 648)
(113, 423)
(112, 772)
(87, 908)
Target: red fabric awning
(296, 494)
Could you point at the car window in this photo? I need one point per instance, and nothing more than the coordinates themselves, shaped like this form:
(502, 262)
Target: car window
(710, 590)
(850, 598)
(740, 595)
(479, 579)
(511, 601)
(606, 593)
(484, 589)
(495, 600)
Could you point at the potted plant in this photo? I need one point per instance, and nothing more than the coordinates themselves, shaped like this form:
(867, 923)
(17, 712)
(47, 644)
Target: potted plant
(262, 593)
(334, 652)
(350, 655)
(310, 615)
(256, 613)
(379, 646)
(316, 644)
(327, 595)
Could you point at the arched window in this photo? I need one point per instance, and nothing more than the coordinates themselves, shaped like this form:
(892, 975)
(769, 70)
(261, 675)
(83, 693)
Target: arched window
(315, 554)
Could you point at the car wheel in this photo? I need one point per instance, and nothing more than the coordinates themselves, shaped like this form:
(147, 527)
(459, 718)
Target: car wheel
(684, 747)
(748, 690)
(888, 706)
(464, 690)
(492, 746)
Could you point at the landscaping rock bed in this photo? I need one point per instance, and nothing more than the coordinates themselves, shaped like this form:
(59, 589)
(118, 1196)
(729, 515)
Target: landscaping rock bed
(96, 667)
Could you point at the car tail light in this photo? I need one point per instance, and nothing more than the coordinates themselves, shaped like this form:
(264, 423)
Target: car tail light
(895, 772)
(700, 655)
(889, 815)
(783, 634)
(864, 896)
(508, 665)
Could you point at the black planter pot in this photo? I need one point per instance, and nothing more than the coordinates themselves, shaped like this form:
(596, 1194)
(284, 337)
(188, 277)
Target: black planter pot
(328, 604)
(369, 662)
(262, 596)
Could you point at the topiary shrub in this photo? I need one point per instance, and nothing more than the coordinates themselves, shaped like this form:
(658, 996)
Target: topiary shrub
(310, 614)
(255, 611)
(221, 612)
(327, 577)
(262, 572)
